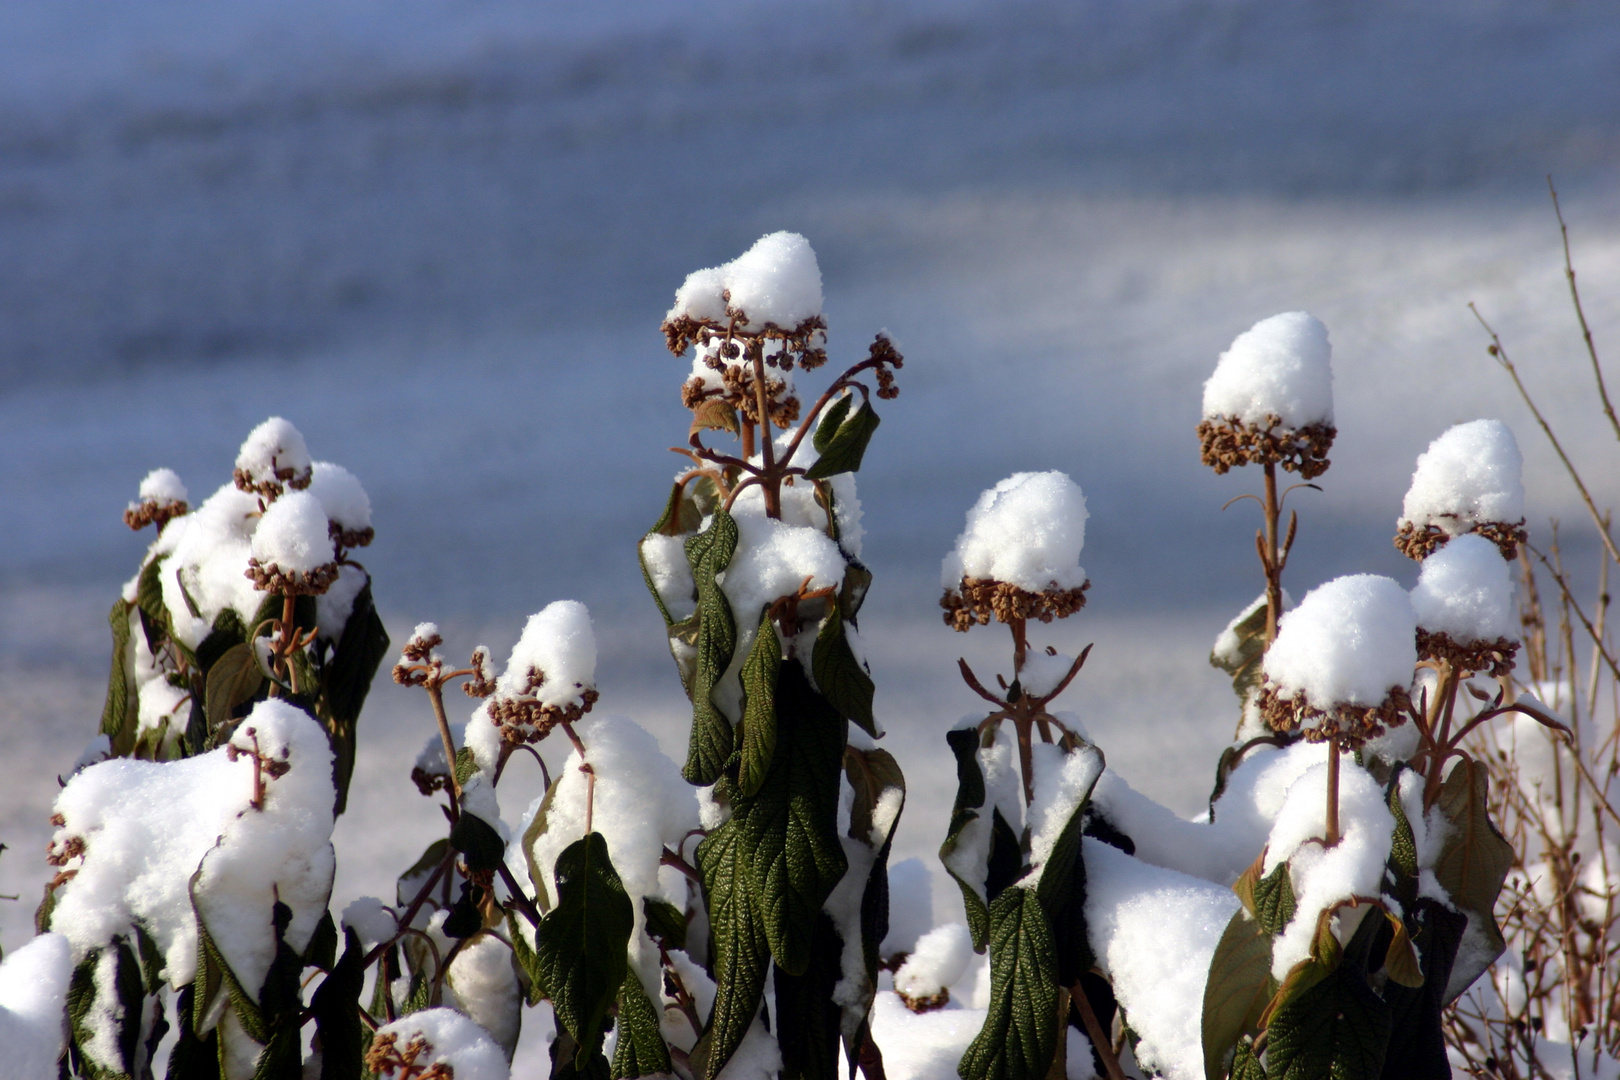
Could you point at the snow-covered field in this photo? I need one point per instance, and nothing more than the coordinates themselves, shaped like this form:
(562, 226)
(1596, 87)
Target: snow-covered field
(440, 237)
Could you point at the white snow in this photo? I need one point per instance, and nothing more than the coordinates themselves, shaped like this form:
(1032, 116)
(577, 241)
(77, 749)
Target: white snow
(1472, 473)
(148, 826)
(162, 486)
(482, 984)
(274, 446)
(1026, 531)
(911, 906)
(1154, 932)
(1320, 876)
(1062, 781)
(772, 560)
(33, 1004)
(940, 959)
(775, 281)
(1282, 367)
(559, 642)
(1465, 590)
(293, 534)
(454, 1040)
(1043, 671)
(208, 550)
(341, 496)
(1347, 642)
(665, 559)
(371, 919)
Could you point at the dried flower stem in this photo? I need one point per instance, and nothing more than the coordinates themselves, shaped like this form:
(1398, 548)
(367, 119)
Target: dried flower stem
(1332, 837)
(1580, 313)
(1094, 1031)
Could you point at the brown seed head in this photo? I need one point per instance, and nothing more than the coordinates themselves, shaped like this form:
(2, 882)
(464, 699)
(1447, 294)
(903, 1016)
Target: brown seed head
(268, 577)
(147, 511)
(1230, 442)
(1353, 724)
(1493, 658)
(1419, 542)
(978, 600)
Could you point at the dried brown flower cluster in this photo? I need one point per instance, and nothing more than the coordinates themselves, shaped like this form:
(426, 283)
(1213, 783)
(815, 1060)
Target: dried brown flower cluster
(350, 538)
(737, 390)
(803, 346)
(270, 490)
(977, 600)
(70, 848)
(1353, 724)
(885, 356)
(1493, 658)
(1230, 442)
(268, 577)
(524, 719)
(1419, 542)
(927, 1003)
(386, 1060)
(140, 515)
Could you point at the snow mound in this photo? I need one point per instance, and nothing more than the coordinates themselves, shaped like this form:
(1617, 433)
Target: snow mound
(341, 496)
(1347, 642)
(293, 534)
(1026, 531)
(162, 486)
(33, 1001)
(1471, 474)
(559, 642)
(1465, 590)
(274, 451)
(776, 281)
(1279, 367)
(452, 1039)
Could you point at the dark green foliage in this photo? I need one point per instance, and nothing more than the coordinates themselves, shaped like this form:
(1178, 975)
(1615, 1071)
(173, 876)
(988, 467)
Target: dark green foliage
(758, 727)
(641, 1050)
(709, 553)
(807, 1017)
(337, 1016)
(1062, 890)
(1415, 1032)
(1019, 1037)
(345, 680)
(119, 714)
(478, 842)
(1336, 1026)
(83, 997)
(664, 922)
(842, 679)
(741, 951)
(580, 944)
(841, 439)
(1006, 863)
(964, 744)
(1474, 860)
(1237, 990)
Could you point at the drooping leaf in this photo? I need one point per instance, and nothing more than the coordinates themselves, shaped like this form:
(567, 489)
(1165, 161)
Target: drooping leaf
(841, 678)
(1416, 1038)
(1006, 863)
(336, 1007)
(964, 744)
(149, 599)
(1236, 992)
(712, 740)
(233, 681)
(758, 727)
(1269, 899)
(531, 835)
(192, 1057)
(1403, 860)
(418, 994)
(873, 776)
(1472, 865)
(478, 842)
(410, 881)
(581, 942)
(321, 952)
(741, 951)
(528, 962)
(345, 680)
(465, 920)
(1336, 1026)
(831, 421)
(852, 593)
(641, 1050)
(807, 1018)
(118, 716)
(1241, 658)
(789, 829)
(846, 446)
(664, 922)
(1062, 886)
(715, 414)
(1019, 1037)
(87, 1009)
(568, 1063)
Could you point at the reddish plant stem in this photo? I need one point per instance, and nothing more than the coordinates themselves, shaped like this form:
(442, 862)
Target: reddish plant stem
(1270, 558)
(1332, 838)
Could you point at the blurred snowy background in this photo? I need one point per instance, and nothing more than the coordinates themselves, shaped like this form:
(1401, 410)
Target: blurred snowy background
(439, 236)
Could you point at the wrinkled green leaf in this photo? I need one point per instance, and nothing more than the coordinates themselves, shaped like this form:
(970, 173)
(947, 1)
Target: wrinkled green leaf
(233, 681)
(345, 680)
(1415, 1031)
(1335, 1025)
(710, 553)
(1269, 899)
(758, 727)
(1062, 886)
(336, 1007)
(581, 942)
(478, 842)
(149, 599)
(1019, 1037)
(641, 1050)
(1472, 864)
(846, 446)
(118, 716)
(528, 962)
(665, 923)
(872, 775)
(807, 1019)
(964, 744)
(841, 678)
(1403, 861)
(1237, 990)
(741, 951)
(1243, 662)
(84, 1005)
(831, 421)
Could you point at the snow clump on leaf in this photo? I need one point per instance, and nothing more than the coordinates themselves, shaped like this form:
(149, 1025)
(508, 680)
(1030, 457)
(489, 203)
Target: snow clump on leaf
(1470, 479)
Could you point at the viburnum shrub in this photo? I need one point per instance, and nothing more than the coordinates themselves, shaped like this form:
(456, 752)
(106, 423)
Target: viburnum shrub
(732, 917)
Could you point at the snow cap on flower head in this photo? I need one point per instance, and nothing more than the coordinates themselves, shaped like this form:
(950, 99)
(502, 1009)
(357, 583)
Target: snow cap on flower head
(162, 498)
(1270, 400)
(1470, 479)
(1019, 555)
(1464, 605)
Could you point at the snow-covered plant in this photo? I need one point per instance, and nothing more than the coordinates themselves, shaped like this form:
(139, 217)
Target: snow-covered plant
(193, 842)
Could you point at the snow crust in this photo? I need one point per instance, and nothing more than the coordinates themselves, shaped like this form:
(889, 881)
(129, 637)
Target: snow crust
(775, 281)
(1321, 876)
(341, 496)
(1347, 642)
(559, 641)
(1465, 590)
(1472, 473)
(33, 1002)
(456, 1041)
(273, 445)
(1154, 932)
(1026, 531)
(293, 534)
(148, 826)
(483, 986)
(1282, 367)
(163, 486)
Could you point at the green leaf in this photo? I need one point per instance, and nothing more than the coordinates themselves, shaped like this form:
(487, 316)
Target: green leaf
(715, 414)
(1019, 1037)
(1269, 899)
(641, 1050)
(321, 952)
(84, 1004)
(1243, 661)
(152, 961)
(1403, 861)
(1332, 1023)
(405, 890)
(580, 944)
(568, 1063)
(418, 996)
(710, 553)
(664, 922)
(840, 676)
(789, 829)
(1062, 886)
(478, 841)
(741, 951)
(531, 836)
(1245, 1065)
(466, 764)
(852, 593)
(872, 774)
(527, 961)
(807, 1018)
(831, 421)
(1006, 864)
(191, 1057)
(846, 446)
(758, 734)
(964, 744)
(1237, 990)
(118, 716)
(149, 599)
(234, 680)
(1472, 864)
(1415, 1012)
(345, 680)
(336, 1007)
